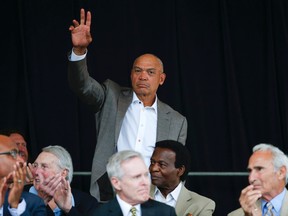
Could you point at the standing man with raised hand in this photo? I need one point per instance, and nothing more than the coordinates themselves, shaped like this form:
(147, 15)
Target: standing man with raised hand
(126, 118)
(268, 175)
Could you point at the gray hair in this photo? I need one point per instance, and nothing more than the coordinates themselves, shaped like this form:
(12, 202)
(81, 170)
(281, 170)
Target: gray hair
(279, 158)
(114, 168)
(65, 160)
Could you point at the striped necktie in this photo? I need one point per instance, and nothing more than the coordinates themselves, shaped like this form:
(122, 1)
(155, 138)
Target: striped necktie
(133, 211)
(269, 211)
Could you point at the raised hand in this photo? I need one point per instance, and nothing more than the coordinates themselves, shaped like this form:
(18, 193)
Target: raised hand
(18, 175)
(248, 199)
(3, 190)
(80, 33)
(47, 187)
(62, 196)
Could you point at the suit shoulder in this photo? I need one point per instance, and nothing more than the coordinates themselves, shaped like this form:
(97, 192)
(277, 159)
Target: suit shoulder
(157, 204)
(28, 195)
(166, 108)
(200, 197)
(237, 212)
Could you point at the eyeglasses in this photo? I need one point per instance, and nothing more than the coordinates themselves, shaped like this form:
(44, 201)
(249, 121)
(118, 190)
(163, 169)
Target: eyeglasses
(13, 153)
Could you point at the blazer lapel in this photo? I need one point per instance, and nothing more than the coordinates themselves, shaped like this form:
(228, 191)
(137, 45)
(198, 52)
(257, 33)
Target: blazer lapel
(184, 201)
(124, 101)
(163, 122)
(114, 208)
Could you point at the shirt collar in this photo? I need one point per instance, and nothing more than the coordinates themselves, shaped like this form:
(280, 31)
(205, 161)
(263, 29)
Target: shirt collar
(175, 193)
(125, 207)
(135, 99)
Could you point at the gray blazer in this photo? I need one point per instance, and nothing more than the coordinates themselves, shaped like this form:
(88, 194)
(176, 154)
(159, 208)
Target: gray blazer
(283, 212)
(110, 103)
(191, 203)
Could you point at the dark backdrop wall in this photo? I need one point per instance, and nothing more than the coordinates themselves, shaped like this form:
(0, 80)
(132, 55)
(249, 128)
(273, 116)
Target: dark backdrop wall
(227, 72)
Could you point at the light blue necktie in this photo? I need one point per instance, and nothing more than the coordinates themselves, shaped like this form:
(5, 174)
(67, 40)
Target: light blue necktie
(269, 211)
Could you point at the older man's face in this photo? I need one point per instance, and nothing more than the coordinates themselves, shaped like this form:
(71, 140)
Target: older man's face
(134, 186)
(46, 165)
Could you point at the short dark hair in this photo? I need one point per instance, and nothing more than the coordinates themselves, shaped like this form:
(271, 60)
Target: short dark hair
(9, 131)
(182, 155)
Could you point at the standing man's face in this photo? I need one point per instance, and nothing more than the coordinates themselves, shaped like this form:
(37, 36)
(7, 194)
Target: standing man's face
(146, 76)
(21, 144)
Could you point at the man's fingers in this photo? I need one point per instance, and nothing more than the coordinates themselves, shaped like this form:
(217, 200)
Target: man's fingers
(82, 16)
(88, 19)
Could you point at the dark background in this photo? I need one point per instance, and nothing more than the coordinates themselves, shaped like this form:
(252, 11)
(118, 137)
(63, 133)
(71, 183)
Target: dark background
(227, 72)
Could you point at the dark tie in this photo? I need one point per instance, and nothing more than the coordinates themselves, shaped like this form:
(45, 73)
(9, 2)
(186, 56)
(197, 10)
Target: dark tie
(133, 211)
(269, 211)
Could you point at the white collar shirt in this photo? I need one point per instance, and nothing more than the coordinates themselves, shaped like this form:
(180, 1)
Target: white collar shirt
(139, 128)
(171, 198)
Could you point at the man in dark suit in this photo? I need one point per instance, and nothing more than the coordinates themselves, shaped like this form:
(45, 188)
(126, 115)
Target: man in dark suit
(125, 118)
(53, 172)
(129, 177)
(169, 168)
(12, 174)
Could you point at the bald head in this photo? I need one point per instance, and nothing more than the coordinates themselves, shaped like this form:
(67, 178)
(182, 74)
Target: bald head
(150, 58)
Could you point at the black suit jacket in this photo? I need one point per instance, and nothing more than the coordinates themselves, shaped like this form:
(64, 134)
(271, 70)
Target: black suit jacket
(85, 204)
(34, 205)
(149, 208)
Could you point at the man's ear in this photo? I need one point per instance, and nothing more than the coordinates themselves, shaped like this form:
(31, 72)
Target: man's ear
(116, 183)
(162, 78)
(282, 172)
(65, 173)
(181, 170)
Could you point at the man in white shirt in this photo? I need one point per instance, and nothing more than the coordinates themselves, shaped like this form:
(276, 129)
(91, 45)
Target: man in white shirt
(126, 118)
(169, 168)
(266, 193)
(129, 177)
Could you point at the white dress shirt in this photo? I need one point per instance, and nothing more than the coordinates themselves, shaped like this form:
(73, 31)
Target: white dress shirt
(139, 128)
(15, 211)
(171, 198)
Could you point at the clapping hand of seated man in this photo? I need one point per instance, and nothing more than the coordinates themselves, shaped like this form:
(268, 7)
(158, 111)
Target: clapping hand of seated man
(63, 195)
(29, 175)
(248, 199)
(3, 189)
(16, 189)
(47, 187)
